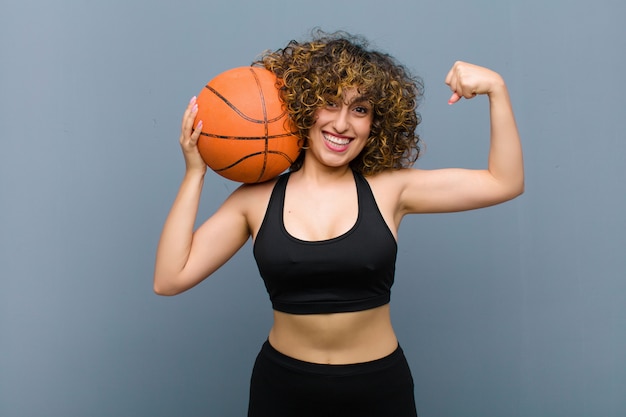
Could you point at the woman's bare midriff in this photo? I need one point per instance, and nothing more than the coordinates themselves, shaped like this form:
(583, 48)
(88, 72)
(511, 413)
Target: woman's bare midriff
(337, 338)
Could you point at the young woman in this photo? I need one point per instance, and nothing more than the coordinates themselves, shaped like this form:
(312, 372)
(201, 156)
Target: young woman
(334, 217)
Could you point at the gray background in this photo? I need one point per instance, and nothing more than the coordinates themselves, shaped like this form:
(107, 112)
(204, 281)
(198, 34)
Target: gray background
(515, 310)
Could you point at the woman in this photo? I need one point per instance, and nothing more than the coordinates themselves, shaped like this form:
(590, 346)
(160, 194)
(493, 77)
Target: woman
(335, 216)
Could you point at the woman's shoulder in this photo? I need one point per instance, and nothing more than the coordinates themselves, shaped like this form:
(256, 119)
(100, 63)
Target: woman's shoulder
(387, 185)
(251, 200)
(391, 184)
(392, 177)
(254, 191)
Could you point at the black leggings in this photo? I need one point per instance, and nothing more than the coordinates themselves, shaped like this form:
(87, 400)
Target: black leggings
(282, 386)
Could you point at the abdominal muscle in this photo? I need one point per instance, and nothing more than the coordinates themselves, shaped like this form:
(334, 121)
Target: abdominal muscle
(336, 338)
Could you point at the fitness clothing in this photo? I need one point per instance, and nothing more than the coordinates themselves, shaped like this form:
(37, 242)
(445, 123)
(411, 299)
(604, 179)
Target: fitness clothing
(351, 272)
(282, 386)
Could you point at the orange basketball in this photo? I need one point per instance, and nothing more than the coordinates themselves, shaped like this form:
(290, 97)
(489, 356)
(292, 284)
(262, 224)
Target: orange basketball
(246, 135)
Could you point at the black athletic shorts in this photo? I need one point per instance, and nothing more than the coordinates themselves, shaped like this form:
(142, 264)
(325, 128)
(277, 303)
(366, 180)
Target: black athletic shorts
(282, 386)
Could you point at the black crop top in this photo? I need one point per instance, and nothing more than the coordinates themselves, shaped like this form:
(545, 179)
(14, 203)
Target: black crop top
(351, 272)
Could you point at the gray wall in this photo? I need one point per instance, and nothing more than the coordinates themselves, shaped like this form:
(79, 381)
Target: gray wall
(516, 310)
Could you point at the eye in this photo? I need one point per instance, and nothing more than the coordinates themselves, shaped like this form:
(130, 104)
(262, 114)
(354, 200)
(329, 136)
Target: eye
(362, 110)
(330, 103)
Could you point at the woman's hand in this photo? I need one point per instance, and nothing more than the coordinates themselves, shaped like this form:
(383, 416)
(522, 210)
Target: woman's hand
(468, 81)
(189, 139)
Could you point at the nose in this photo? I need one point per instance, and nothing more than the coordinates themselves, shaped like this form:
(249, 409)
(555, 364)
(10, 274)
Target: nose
(342, 120)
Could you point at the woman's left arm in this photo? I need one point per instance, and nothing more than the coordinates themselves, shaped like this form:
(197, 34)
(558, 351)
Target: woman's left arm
(447, 190)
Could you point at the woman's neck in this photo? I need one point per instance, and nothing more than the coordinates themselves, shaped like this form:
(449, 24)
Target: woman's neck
(320, 173)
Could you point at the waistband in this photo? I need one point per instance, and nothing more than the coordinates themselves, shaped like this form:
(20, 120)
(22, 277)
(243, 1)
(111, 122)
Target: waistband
(269, 352)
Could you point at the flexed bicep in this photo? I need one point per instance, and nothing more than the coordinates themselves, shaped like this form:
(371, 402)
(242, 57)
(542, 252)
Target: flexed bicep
(458, 189)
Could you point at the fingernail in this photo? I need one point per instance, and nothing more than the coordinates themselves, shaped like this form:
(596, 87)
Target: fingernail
(194, 108)
(193, 100)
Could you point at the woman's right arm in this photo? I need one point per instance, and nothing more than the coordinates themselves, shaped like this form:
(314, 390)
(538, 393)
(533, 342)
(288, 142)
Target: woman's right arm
(184, 258)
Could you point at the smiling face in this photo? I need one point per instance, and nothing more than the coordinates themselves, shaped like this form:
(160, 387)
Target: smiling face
(341, 129)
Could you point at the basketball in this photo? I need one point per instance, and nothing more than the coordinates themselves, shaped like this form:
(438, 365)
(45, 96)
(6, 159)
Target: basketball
(246, 134)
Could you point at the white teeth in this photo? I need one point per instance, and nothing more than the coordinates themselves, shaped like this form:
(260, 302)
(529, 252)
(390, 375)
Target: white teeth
(336, 140)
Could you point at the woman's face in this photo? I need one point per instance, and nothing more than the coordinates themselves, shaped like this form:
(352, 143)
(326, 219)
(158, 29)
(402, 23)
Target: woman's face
(341, 129)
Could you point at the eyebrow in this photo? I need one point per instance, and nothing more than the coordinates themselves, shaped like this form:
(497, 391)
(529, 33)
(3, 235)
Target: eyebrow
(358, 99)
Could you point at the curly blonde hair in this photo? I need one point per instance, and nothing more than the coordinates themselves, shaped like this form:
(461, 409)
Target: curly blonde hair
(313, 72)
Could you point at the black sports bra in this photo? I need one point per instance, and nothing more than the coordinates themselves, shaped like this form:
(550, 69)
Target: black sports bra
(351, 272)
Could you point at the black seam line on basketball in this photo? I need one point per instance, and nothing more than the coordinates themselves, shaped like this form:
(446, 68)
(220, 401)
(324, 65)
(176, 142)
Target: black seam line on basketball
(210, 135)
(250, 156)
(239, 112)
(265, 125)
